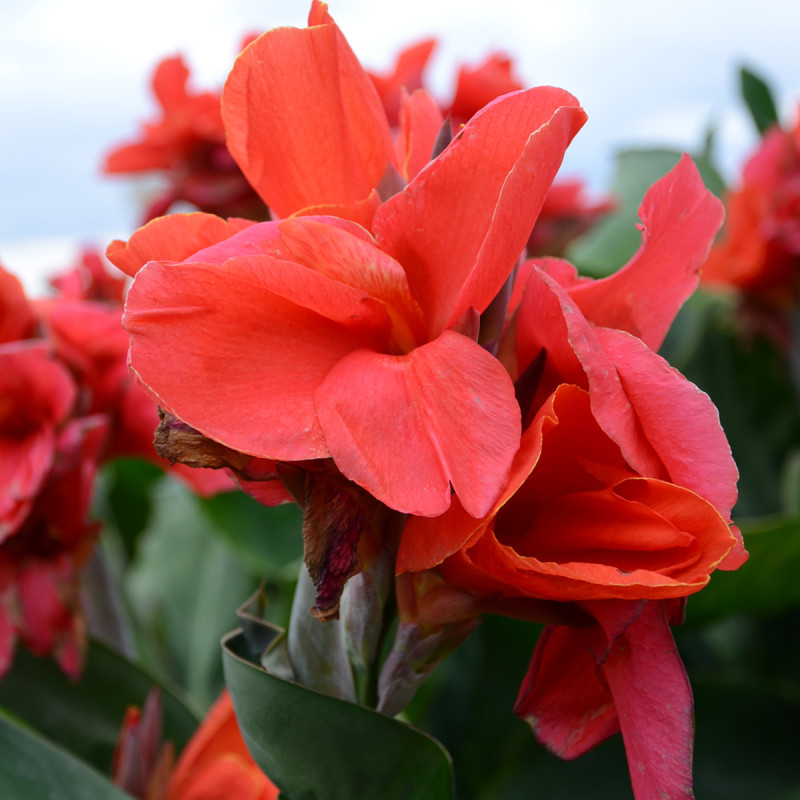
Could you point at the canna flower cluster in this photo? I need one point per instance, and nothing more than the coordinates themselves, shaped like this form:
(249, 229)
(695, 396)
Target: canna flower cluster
(383, 342)
(67, 405)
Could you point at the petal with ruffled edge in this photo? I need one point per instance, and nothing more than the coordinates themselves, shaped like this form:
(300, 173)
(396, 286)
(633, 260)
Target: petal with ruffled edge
(458, 228)
(303, 119)
(550, 320)
(680, 218)
(677, 418)
(171, 238)
(407, 427)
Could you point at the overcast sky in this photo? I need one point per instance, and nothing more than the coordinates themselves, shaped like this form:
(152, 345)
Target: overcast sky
(74, 80)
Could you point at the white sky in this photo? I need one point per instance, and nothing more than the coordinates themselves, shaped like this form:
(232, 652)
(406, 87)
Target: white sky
(74, 80)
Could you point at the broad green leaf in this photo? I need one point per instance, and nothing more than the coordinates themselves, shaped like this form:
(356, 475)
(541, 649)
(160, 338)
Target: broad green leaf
(758, 97)
(268, 540)
(31, 768)
(124, 496)
(766, 584)
(185, 585)
(314, 746)
(616, 238)
(85, 717)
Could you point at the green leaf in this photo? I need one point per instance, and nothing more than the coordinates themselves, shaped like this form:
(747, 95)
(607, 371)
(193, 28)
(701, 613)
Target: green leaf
(85, 717)
(268, 540)
(185, 585)
(314, 746)
(31, 768)
(758, 97)
(766, 584)
(616, 238)
(124, 495)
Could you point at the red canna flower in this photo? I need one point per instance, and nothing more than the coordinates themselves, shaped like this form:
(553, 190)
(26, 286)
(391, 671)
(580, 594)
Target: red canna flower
(312, 338)
(90, 279)
(37, 397)
(621, 492)
(216, 764)
(759, 254)
(187, 144)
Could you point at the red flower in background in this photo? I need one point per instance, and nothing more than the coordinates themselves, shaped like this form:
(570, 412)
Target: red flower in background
(475, 87)
(621, 491)
(567, 212)
(187, 144)
(67, 404)
(217, 764)
(214, 765)
(47, 466)
(311, 338)
(759, 253)
(17, 318)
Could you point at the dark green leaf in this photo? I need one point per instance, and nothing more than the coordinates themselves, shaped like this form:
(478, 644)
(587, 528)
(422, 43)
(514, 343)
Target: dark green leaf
(615, 239)
(85, 717)
(314, 747)
(766, 584)
(31, 768)
(185, 585)
(268, 540)
(124, 497)
(758, 97)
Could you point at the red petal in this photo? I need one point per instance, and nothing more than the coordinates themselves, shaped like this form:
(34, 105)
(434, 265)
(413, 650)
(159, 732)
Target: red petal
(237, 350)
(171, 238)
(169, 83)
(37, 394)
(460, 225)
(678, 419)
(17, 320)
(420, 123)
(651, 692)
(406, 427)
(563, 698)
(334, 251)
(549, 319)
(680, 218)
(426, 542)
(304, 121)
